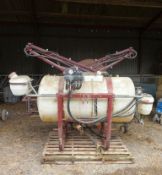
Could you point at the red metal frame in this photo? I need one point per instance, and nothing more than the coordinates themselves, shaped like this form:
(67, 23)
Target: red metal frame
(61, 63)
(61, 133)
(107, 125)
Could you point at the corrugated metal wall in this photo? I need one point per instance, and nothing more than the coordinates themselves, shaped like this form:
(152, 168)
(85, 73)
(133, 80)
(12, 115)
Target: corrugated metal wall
(77, 44)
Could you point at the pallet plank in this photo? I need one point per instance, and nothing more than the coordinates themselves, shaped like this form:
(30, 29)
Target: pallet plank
(79, 148)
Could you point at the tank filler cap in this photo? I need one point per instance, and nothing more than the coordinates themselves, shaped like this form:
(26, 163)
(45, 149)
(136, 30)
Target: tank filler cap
(12, 75)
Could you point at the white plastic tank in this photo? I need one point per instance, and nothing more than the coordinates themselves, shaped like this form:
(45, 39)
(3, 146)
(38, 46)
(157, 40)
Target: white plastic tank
(19, 84)
(145, 104)
(47, 106)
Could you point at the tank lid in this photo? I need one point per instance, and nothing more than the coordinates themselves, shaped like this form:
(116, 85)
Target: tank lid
(12, 75)
(20, 79)
(147, 98)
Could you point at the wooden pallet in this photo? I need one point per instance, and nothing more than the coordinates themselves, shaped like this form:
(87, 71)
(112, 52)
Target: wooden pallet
(80, 149)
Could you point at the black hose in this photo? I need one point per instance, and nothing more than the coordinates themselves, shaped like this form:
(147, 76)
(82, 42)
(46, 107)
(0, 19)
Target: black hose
(123, 110)
(94, 132)
(77, 120)
(101, 119)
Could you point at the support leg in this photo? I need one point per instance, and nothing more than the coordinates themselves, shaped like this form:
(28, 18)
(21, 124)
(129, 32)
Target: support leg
(107, 125)
(60, 122)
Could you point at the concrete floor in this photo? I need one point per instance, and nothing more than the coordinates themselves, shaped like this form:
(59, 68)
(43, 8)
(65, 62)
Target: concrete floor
(22, 139)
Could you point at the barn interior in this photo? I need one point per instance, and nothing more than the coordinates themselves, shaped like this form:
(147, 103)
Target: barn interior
(79, 29)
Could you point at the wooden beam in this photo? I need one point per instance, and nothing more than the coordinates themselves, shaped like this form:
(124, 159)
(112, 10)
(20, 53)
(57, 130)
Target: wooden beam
(129, 3)
(70, 25)
(94, 20)
(72, 15)
(78, 25)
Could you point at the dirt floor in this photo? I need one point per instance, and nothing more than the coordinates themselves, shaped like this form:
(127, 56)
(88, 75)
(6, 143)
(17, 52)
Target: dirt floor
(22, 139)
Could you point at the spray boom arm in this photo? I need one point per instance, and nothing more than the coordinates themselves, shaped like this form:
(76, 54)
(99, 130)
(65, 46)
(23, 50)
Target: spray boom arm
(61, 63)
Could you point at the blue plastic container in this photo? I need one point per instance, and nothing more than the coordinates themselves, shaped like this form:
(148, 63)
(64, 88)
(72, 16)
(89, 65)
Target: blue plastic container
(159, 106)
